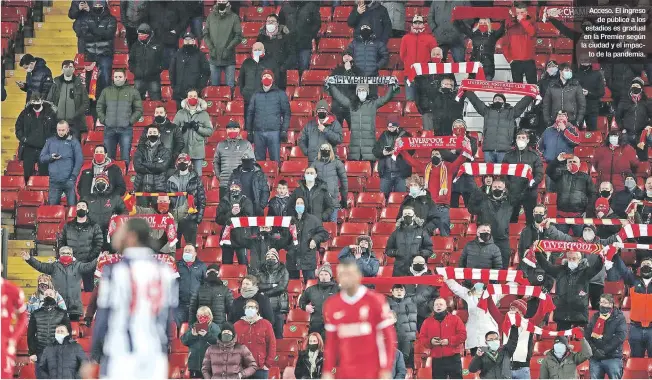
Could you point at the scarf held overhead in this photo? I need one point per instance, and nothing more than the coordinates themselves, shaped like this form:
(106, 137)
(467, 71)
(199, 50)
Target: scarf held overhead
(559, 246)
(483, 275)
(476, 169)
(430, 143)
(529, 291)
(515, 319)
(433, 68)
(523, 89)
(343, 79)
(632, 231)
(259, 221)
(155, 221)
(593, 221)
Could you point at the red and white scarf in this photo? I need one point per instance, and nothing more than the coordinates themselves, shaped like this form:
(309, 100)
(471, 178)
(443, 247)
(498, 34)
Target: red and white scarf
(528, 291)
(115, 258)
(522, 89)
(476, 169)
(483, 275)
(633, 246)
(430, 143)
(432, 280)
(559, 246)
(259, 221)
(646, 132)
(515, 319)
(433, 68)
(594, 221)
(632, 231)
(155, 221)
(189, 197)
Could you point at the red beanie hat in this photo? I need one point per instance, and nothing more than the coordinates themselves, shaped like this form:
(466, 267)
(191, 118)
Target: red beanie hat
(519, 305)
(267, 72)
(602, 205)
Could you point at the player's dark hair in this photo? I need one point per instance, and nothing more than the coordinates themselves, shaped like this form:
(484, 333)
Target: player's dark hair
(141, 229)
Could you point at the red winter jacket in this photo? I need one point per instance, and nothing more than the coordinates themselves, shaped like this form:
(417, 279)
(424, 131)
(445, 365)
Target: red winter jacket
(519, 40)
(451, 328)
(612, 163)
(432, 176)
(416, 48)
(259, 339)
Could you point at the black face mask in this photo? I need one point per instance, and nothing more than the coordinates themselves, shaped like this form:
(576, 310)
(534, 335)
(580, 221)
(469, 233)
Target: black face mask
(440, 315)
(98, 10)
(152, 138)
(497, 193)
(270, 262)
(646, 272)
(159, 119)
(636, 90)
(62, 137)
(189, 47)
(212, 277)
(221, 7)
(322, 115)
(485, 236)
(446, 90)
(418, 267)
(604, 310)
(605, 193)
(101, 187)
(247, 164)
(407, 219)
(325, 154)
(585, 67)
(395, 133)
(49, 301)
(182, 166)
(435, 160)
(43, 287)
(235, 194)
(497, 105)
(82, 213)
(313, 347)
(538, 218)
(365, 33)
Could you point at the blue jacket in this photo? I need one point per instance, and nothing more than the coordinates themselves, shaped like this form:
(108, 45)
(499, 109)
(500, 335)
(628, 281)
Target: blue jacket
(367, 263)
(398, 369)
(269, 111)
(553, 142)
(68, 166)
(369, 56)
(190, 278)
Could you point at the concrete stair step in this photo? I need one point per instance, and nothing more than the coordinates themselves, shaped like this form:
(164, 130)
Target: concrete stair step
(51, 12)
(21, 244)
(50, 54)
(27, 284)
(51, 41)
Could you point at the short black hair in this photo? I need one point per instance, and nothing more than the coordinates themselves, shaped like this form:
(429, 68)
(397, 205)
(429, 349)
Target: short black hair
(82, 201)
(282, 182)
(564, 66)
(191, 90)
(520, 5)
(26, 60)
(101, 146)
(120, 70)
(67, 62)
(141, 229)
(273, 15)
(490, 333)
(152, 126)
(522, 132)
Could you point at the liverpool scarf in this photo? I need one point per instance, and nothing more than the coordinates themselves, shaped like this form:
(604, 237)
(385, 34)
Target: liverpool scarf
(529, 291)
(259, 221)
(430, 143)
(344, 79)
(494, 13)
(515, 319)
(598, 328)
(191, 199)
(496, 86)
(632, 231)
(92, 87)
(559, 246)
(432, 280)
(594, 221)
(155, 221)
(518, 170)
(433, 68)
(114, 258)
(483, 275)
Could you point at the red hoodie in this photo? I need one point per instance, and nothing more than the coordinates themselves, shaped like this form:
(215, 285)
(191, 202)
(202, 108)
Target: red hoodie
(519, 40)
(612, 163)
(451, 328)
(416, 48)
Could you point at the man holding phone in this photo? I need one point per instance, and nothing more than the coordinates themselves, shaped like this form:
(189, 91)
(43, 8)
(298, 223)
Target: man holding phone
(561, 137)
(64, 155)
(393, 172)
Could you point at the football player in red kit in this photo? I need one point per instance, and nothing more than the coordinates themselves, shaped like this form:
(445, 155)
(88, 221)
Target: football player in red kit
(360, 335)
(13, 304)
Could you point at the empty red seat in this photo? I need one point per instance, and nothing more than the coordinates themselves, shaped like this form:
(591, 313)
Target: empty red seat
(310, 93)
(216, 93)
(459, 214)
(47, 233)
(12, 183)
(251, 29)
(301, 108)
(358, 168)
(235, 107)
(332, 45)
(39, 183)
(8, 200)
(389, 214)
(50, 214)
(336, 29)
(30, 198)
(295, 331)
(363, 214)
(375, 200)
(341, 13)
(383, 228)
(14, 167)
(584, 151)
(297, 315)
(210, 255)
(564, 45)
(342, 241)
(350, 228)
(443, 244)
(543, 45)
(256, 13)
(391, 108)
(638, 368)
(120, 61)
(233, 271)
(294, 167)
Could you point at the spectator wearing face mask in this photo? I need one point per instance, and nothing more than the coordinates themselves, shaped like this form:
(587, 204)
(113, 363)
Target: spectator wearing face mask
(427, 89)
(186, 180)
(222, 34)
(311, 358)
(69, 94)
(228, 358)
(229, 153)
(410, 239)
(483, 38)
(198, 338)
(499, 124)
(64, 358)
(646, 210)
(118, 109)
(85, 238)
(44, 289)
(132, 15)
(371, 13)
(273, 282)
(464, 186)
(347, 68)
(254, 182)
(268, 119)
(619, 77)
(445, 109)
(251, 72)
(482, 253)
(572, 280)
(278, 204)
(103, 203)
(331, 170)
(212, 293)
(64, 157)
(100, 165)
(565, 94)
(519, 41)
(493, 361)
(576, 192)
(257, 335)
(151, 162)
(311, 233)
(495, 210)
(420, 200)
(313, 298)
(592, 82)
(234, 204)
(621, 199)
(324, 129)
(606, 190)
(448, 35)
(249, 290)
(424, 295)
(168, 22)
(415, 48)
(613, 159)
(444, 334)
(561, 362)
(65, 271)
(559, 138)
(369, 53)
(606, 333)
(146, 60)
(191, 275)
(79, 10)
(35, 124)
(170, 135)
(634, 112)
(363, 110)
(303, 20)
(549, 76)
(39, 77)
(189, 69)
(280, 45)
(519, 187)
(405, 309)
(160, 205)
(196, 127)
(393, 172)
(363, 255)
(96, 30)
(315, 190)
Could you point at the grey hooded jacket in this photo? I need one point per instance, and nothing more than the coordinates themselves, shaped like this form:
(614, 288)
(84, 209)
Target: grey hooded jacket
(194, 139)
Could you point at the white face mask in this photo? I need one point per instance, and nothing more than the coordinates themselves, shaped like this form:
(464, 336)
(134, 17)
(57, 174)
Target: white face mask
(257, 54)
(362, 95)
(649, 193)
(521, 144)
(309, 177)
(559, 349)
(588, 235)
(613, 140)
(572, 265)
(270, 28)
(60, 337)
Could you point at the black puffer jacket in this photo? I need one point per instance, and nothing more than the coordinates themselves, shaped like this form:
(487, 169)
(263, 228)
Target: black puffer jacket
(278, 206)
(268, 111)
(619, 77)
(568, 97)
(496, 213)
(300, 256)
(318, 200)
(406, 315)
(133, 13)
(572, 288)
(194, 187)
(445, 110)
(386, 165)
(146, 60)
(259, 244)
(517, 186)
(39, 80)
(369, 56)
(151, 165)
(375, 16)
(171, 137)
(303, 20)
(33, 130)
(98, 32)
(102, 206)
(405, 243)
(423, 296)
(42, 324)
(334, 174)
(484, 45)
(424, 208)
(189, 68)
(281, 48)
(592, 81)
(251, 73)
(316, 295)
(481, 255)
(225, 207)
(610, 345)
(165, 17)
(575, 192)
(85, 239)
(62, 361)
(427, 89)
(214, 295)
(259, 184)
(273, 282)
(634, 117)
(346, 90)
(499, 124)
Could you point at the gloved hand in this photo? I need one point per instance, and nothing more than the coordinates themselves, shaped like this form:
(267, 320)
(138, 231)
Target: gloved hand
(343, 203)
(184, 128)
(195, 125)
(250, 136)
(599, 354)
(284, 136)
(88, 321)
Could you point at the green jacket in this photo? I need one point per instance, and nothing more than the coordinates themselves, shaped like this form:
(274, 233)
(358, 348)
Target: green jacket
(553, 368)
(194, 139)
(80, 96)
(119, 106)
(198, 345)
(222, 34)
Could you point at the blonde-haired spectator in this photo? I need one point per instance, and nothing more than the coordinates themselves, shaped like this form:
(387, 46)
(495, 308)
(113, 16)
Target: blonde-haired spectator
(203, 333)
(311, 358)
(45, 289)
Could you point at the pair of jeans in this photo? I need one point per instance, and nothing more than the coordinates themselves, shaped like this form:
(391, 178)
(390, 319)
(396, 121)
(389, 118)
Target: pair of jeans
(443, 219)
(58, 188)
(279, 321)
(153, 88)
(410, 92)
(591, 121)
(447, 367)
(577, 229)
(333, 216)
(493, 157)
(640, 340)
(395, 184)
(118, 135)
(88, 281)
(521, 373)
(260, 374)
(181, 315)
(524, 68)
(30, 157)
(267, 141)
(613, 368)
(198, 165)
(240, 253)
(505, 250)
(303, 59)
(595, 291)
(105, 66)
(187, 228)
(458, 50)
(216, 75)
(307, 275)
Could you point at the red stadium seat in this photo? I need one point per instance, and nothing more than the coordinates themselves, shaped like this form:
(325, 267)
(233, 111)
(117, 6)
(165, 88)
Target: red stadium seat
(256, 13)
(358, 168)
(41, 183)
(326, 13)
(212, 241)
(334, 30)
(295, 331)
(395, 198)
(362, 215)
(340, 242)
(546, 29)
(12, 183)
(389, 214)
(210, 255)
(235, 108)
(50, 214)
(349, 228)
(564, 45)
(250, 29)
(293, 168)
(375, 200)
(233, 271)
(391, 108)
(216, 93)
(543, 45)
(297, 315)
(311, 93)
(341, 13)
(383, 228)
(332, 45)
(314, 77)
(47, 233)
(30, 198)
(301, 108)
(8, 201)
(638, 368)
(459, 215)
(14, 168)
(323, 62)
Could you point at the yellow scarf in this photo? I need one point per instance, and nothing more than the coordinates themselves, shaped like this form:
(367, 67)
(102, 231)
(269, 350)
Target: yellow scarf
(443, 177)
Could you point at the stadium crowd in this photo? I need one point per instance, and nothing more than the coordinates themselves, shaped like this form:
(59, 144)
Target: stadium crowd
(238, 326)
